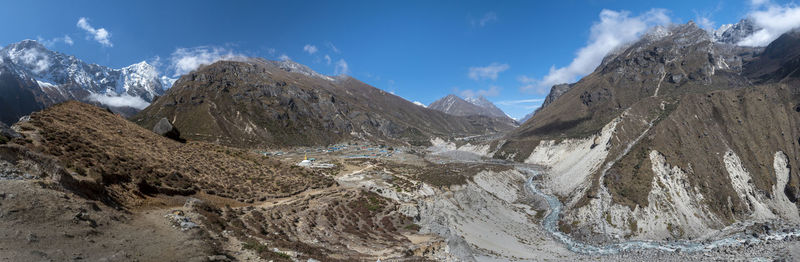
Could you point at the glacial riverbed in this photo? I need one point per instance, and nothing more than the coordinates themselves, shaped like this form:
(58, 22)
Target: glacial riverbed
(550, 224)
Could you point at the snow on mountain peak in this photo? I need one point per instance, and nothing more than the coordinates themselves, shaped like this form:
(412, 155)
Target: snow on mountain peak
(735, 33)
(29, 54)
(137, 78)
(33, 61)
(479, 101)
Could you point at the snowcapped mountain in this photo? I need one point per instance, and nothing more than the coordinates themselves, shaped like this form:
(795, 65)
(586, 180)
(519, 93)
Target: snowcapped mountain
(140, 80)
(51, 77)
(455, 105)
(734, 33)
(489, 107)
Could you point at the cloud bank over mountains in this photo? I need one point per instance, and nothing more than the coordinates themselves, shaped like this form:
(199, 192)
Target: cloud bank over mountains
(614, 29)
(773, 19)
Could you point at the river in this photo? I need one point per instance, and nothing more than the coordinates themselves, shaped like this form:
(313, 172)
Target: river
(550, 224)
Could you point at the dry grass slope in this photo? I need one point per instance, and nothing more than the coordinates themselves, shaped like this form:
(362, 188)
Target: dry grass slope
(132, 162)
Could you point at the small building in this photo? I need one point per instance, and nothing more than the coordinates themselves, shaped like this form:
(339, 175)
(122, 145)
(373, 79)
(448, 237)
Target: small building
(305, 162)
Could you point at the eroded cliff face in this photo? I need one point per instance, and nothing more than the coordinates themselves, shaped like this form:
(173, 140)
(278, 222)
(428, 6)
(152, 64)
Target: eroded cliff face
(670, 139)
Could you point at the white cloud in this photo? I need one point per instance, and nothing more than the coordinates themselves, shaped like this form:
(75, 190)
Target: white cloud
(123, 100)
(757, 3)
(341, 68)
(333, 48)
(185, 60)
(706, 23)
(419, 104)
(35, 60)
(284, 57)
(167, 82)
(614, 29)
(67, 40)
(101, 35)
(487, 18)
(328, 59)
(774, 20)
(491, 91)
(488, 72)
(310, 49)
(521, 101)
(52, 42)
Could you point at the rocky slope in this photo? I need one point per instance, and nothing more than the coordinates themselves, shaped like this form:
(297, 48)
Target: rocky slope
(261, 103)
(779, 62)
(108, 186)
(33, 77)
(670, 138)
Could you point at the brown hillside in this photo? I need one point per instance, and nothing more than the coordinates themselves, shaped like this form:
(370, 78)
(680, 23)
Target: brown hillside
(131, 161)
(260, 103)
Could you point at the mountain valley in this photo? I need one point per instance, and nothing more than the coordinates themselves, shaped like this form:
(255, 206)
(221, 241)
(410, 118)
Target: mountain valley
(681, 145)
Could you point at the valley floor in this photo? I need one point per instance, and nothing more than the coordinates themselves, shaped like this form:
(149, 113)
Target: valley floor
(459, 210)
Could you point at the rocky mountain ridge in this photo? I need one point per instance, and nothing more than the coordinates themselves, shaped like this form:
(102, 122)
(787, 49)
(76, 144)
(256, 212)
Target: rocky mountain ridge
(265, 103)
(33, 77)
(668, 117)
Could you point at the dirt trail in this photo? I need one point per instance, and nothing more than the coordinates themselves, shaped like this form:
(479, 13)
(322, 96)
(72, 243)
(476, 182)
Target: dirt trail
(42, 224)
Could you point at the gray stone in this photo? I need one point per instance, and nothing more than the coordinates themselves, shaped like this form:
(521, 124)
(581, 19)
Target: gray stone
(165, 128)
(7, 133)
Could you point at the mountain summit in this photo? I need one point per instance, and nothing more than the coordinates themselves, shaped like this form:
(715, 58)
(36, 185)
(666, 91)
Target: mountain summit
(735, 33)
(471, 106)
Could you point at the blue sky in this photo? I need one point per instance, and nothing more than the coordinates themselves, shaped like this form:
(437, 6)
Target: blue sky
(420, 50)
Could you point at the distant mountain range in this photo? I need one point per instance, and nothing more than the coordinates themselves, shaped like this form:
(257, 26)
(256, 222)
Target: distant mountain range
(33, 77)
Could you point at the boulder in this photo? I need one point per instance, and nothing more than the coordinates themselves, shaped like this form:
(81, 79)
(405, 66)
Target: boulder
(165, 128)
(6, 133)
